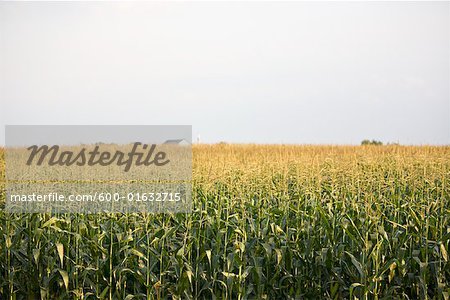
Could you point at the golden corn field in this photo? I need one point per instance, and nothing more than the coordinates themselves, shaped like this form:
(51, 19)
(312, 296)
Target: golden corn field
(269, 222)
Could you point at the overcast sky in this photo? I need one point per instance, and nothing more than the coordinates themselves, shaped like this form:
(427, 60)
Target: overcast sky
(262, 72)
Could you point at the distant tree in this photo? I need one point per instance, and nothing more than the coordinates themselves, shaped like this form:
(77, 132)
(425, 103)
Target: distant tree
(371, 142)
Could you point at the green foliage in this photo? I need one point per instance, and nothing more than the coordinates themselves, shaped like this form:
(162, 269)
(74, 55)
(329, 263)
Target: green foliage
(371, 142)
(316, 223)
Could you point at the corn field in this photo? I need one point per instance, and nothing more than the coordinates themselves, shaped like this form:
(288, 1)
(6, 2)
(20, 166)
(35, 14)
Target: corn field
(268, 222)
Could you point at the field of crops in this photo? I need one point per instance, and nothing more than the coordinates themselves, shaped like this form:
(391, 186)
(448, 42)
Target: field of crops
(269, 222)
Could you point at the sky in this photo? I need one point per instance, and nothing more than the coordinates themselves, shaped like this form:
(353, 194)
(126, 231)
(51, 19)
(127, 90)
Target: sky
(239, 72)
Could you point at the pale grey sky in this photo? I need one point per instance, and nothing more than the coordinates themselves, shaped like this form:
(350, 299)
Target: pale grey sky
(262, 72)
